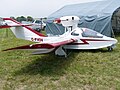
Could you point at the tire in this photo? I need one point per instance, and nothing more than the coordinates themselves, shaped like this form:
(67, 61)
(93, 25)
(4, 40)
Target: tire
(110, 48)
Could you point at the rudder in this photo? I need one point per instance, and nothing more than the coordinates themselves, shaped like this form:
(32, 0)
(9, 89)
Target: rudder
(22, 31)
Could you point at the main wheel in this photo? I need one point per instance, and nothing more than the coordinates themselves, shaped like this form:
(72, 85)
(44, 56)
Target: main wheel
(110, 48)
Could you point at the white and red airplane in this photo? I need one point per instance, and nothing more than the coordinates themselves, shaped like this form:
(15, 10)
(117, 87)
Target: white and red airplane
(73, 38)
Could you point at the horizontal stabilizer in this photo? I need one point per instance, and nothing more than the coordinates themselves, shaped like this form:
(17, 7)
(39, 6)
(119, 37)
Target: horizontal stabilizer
(21, 31)
(4, 26)
(8, 26)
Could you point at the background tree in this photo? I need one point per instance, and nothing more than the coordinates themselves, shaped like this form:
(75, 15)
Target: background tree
(13, 17)
(30, 19)
(23, 18)
(20, 19)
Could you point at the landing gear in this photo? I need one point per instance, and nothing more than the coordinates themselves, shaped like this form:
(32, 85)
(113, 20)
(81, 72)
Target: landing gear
(61, 52)
(110, 48)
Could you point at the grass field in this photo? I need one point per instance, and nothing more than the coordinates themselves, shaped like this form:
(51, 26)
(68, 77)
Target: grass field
(82, 70)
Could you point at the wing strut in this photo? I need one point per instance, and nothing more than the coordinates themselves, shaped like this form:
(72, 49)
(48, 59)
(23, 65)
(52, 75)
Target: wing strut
(60, 52)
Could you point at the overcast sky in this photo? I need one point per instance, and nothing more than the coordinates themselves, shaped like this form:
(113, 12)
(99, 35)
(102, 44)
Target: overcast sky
(34, 8)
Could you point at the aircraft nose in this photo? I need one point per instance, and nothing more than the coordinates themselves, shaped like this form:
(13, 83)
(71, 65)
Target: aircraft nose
(115, 40)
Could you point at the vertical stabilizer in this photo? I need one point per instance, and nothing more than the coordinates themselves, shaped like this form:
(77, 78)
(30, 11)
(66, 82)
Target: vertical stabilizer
(22, 31)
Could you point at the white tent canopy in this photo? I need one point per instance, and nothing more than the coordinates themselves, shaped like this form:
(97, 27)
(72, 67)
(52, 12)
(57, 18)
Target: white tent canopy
(99, 16)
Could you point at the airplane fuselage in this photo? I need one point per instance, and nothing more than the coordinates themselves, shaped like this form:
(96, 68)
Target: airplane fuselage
(85, 39)
(89, 39)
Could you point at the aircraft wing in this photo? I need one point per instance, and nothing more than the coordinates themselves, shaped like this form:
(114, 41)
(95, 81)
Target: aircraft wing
(63, 42)
(43, 46)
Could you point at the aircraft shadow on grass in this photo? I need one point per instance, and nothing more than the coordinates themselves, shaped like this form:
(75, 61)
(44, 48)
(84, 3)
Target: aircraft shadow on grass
(50, 65)
(47, 65)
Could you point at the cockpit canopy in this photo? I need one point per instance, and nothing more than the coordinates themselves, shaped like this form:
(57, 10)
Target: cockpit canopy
(91, 33)
(87, 33)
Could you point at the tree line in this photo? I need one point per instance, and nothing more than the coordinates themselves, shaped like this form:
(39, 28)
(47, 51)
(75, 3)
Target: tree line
(22, 18)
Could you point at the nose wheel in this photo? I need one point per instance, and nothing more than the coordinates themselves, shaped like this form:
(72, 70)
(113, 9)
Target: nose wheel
(110, 48)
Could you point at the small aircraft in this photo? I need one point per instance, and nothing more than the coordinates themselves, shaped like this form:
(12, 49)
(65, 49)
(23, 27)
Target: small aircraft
(73, 37)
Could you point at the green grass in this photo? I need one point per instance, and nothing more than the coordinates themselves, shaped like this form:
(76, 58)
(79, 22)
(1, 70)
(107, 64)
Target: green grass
(82, 70)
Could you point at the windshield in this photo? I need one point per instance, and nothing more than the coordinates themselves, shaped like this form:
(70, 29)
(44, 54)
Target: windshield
(90, 33)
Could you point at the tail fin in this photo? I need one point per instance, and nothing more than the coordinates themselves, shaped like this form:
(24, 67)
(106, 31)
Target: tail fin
(22, 31)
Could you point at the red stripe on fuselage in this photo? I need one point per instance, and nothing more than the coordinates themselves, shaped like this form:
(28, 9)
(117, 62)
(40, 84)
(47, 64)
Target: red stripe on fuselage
(84, 41)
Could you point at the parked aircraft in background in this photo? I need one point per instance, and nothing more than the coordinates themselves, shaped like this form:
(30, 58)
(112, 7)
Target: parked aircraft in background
(73, 38)
(37, 24)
